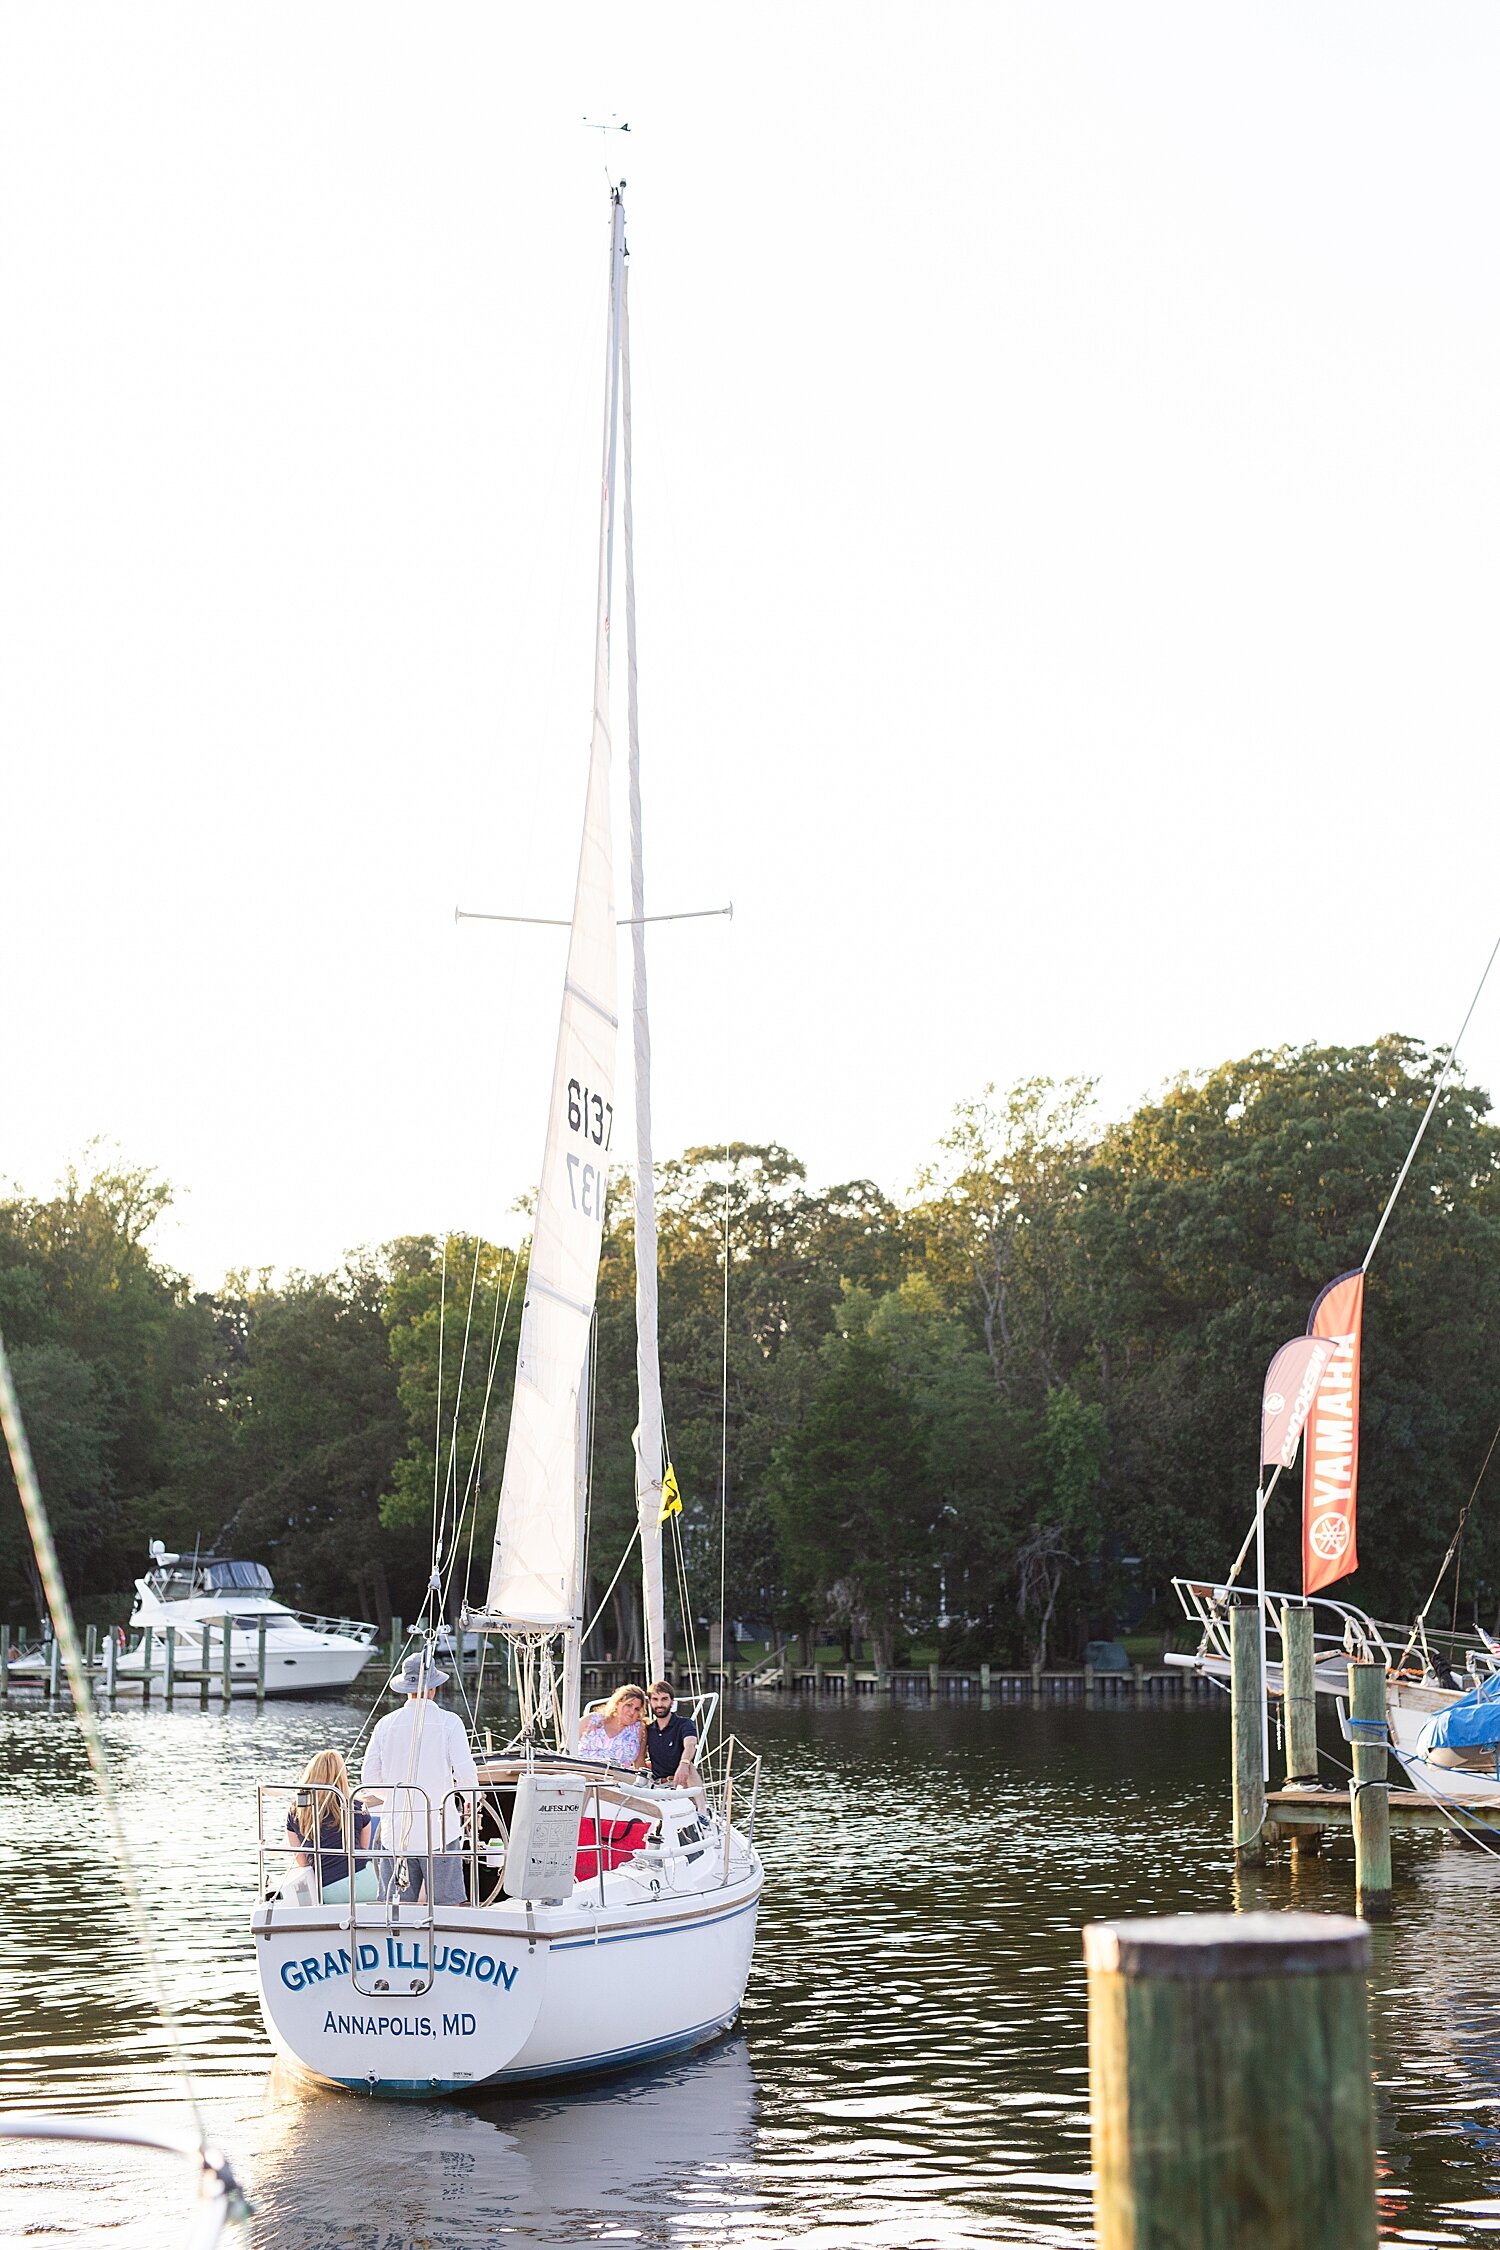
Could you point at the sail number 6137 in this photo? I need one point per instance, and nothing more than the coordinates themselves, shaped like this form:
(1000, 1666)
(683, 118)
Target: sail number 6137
(590, 1115)
(586, 1186)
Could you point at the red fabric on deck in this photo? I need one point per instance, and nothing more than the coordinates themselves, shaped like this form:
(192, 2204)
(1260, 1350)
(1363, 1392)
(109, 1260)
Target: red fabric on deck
(622, 1840)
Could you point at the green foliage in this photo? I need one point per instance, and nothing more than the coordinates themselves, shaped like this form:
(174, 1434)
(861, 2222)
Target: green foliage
(452, 1316)
(998, 1419)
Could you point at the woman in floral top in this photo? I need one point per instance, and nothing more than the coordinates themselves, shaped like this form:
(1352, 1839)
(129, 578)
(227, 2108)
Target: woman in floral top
(616, 1734)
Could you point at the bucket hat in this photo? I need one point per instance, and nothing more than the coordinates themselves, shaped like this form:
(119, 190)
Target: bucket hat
(417, 1675)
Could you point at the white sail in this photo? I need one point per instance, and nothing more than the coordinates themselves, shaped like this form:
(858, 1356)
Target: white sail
(648, 1436)
(536, 1570)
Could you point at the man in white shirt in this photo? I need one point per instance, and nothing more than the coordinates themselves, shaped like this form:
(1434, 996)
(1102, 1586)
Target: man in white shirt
(420, 1748)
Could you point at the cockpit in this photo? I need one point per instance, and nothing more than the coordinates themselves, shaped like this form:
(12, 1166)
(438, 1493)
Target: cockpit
(183, 1578)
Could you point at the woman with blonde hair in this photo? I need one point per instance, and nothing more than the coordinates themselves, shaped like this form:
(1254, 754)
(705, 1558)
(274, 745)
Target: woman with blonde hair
(323, 1825)
(617, 1734)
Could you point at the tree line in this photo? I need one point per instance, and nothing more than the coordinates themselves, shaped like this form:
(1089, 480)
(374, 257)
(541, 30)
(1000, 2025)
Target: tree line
(995, 1417)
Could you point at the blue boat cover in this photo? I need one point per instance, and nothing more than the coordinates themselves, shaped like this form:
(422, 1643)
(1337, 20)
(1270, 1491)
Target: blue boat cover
(1472, 1723)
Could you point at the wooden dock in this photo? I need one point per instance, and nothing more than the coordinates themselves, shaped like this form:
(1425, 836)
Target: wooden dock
(1142, 1683)
(1292, 1812)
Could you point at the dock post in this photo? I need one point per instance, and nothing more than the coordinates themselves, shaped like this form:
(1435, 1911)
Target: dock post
(4, 1661)
(1088, 1683)
(224, 1676)
(1299, 1703)
(146, 1640)
(398, 1642)
(260, 1661)
(1249, 1766)
(111, 1664)
(1370, 1804)
(849, 1689)
(1036, 1683)
(1299, 1699)
(1229, 2082)
(934, 1682)
(984, 1683)
(90, 1647)
(171, 1683)
(54, 1668)
(788, 1670)
(205, 1663)
(817, 1678)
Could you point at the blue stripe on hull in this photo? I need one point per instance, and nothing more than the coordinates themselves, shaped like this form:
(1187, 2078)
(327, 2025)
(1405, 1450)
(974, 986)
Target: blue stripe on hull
(670, 1929)
(587, 2066)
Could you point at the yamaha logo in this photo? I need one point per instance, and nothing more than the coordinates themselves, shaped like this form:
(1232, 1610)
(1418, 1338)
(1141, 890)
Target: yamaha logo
(1329, 1536)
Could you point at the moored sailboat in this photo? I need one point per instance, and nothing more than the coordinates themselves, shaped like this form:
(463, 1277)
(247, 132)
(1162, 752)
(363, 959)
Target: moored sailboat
(605, 1919)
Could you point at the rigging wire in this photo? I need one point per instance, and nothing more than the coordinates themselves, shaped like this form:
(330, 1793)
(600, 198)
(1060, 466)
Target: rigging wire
(1442, 1079)
(1449, 1063)
(60, 1609)
(724, 1431)
(1453, 1546)
(437, 1435)
(614, 1582)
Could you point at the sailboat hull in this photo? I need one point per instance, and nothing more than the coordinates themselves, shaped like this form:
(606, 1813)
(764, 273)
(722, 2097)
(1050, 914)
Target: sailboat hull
(382, 2003)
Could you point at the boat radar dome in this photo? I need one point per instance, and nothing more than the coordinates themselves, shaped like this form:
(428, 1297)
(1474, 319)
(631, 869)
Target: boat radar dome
(159, 1553)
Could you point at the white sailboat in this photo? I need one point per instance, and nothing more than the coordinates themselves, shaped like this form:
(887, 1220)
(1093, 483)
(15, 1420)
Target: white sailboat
(607, 1920)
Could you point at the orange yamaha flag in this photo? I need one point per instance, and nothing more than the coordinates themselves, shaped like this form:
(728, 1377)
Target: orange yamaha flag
(1330, 1460)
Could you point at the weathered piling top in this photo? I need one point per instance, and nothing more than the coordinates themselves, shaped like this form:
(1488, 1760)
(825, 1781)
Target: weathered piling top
(1213, 1947)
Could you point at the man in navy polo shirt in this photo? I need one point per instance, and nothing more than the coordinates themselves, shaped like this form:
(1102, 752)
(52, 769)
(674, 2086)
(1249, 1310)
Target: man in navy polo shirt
(671, 1740)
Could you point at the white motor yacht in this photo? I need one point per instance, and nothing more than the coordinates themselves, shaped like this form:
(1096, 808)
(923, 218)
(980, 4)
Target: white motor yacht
(204, 1598)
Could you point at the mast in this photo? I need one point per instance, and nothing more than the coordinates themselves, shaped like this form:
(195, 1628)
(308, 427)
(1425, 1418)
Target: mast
(536, 1573)
(648, 1435)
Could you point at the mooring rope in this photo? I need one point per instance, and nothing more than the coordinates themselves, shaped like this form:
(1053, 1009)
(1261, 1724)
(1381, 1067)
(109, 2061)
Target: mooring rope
(61, 1613)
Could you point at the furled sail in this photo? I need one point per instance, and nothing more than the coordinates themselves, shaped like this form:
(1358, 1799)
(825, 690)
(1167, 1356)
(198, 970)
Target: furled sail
(536, 1569)
(648, 1436)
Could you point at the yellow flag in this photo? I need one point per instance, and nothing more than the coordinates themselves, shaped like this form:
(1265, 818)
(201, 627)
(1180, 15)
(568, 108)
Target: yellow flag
(671, 1498)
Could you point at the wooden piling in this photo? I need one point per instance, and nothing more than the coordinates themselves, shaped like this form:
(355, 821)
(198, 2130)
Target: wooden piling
(1036, 1683)
(934, 1681)
(227, 1663)
(260, 1661)
(818, 1671)
(1245, 1723)
(984, 1680)
(1229, 2083)
(398, 1642)
(1088, 1683)
(90, 1646)
(146, 1639)
(170, 1687)
(4, 1661)
(1299, 1697)
(54, 1668)
(111, 1664)
(849, 1690)
(1371, 1807)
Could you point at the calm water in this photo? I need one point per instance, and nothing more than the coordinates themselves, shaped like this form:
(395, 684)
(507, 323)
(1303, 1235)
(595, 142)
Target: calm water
(912, 2065)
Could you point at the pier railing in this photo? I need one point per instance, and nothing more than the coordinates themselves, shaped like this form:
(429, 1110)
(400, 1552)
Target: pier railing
(1341, 1632)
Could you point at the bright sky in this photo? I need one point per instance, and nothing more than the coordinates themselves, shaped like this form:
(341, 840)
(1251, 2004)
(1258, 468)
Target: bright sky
(1066, 496)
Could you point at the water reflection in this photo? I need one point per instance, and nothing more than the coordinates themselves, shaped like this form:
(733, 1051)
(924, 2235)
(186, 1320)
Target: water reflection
(912, 2068)
(656, 2158)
